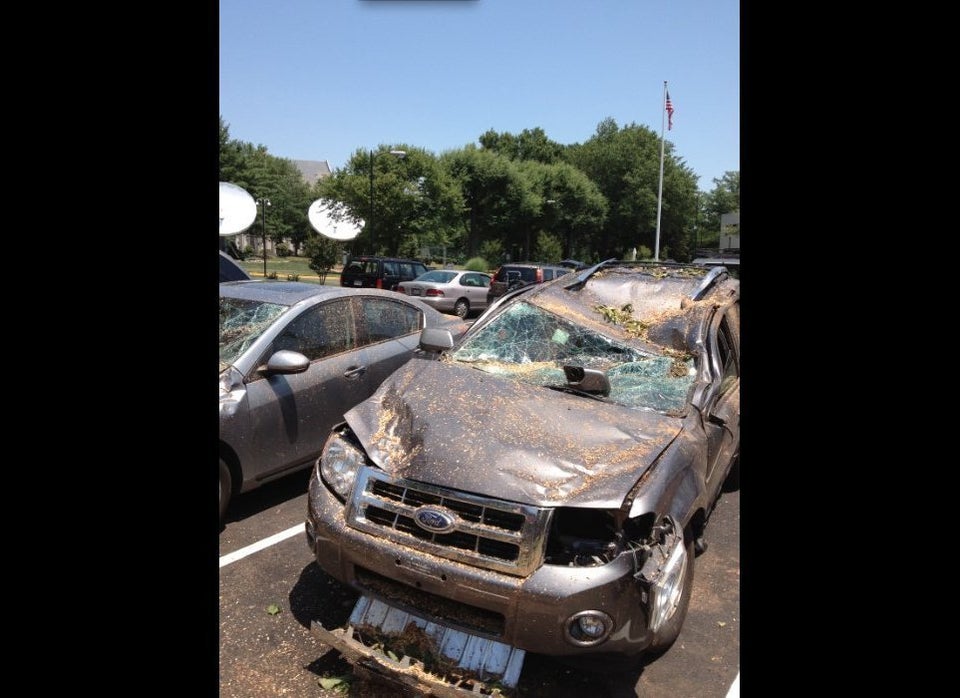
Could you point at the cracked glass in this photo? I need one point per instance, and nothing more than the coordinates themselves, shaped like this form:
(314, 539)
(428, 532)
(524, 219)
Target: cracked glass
(241, 324)
(529, 344)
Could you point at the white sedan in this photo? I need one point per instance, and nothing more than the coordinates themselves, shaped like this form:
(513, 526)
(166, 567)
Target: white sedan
(450, 290)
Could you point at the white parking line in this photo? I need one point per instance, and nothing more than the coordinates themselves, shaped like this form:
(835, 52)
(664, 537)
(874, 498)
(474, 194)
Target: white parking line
(734, 691)
(260, 545)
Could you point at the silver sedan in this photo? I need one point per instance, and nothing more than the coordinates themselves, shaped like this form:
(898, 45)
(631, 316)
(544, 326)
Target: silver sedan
(293, 358)
(450, 290)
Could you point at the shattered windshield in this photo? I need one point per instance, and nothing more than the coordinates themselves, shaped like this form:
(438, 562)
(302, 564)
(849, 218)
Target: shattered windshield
(531, 345)
(242, 321)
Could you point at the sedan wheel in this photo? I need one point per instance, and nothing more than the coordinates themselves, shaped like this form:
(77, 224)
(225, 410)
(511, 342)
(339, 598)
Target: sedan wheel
(461, 308)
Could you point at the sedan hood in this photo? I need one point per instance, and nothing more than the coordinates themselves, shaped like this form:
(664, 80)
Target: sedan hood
(453, 426)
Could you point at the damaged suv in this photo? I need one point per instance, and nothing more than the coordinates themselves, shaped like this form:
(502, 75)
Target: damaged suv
(542, 484)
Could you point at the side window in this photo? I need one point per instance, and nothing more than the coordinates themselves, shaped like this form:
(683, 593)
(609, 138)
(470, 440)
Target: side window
(384, 319)
(323, 330)
(729, 348)
(548, 274)
(390, 269)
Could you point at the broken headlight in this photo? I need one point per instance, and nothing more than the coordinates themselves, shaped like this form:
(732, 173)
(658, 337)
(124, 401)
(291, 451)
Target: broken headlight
(339, 464)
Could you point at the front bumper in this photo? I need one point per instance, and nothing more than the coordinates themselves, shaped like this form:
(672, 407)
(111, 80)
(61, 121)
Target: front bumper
(528, 613)
(459, 665)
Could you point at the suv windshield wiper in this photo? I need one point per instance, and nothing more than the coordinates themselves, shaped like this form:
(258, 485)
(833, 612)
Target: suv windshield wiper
(577, 391)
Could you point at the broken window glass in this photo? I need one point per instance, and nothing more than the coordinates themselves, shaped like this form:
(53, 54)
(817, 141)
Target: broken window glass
(241, 324)
(532, 345)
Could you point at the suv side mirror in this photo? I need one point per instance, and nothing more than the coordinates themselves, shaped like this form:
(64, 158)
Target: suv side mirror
(435, 340)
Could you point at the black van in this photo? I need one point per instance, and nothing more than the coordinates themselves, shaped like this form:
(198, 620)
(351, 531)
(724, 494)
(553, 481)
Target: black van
(380, 272)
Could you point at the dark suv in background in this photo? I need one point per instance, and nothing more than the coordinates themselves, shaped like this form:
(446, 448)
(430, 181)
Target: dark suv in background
(511, 276)
(380, 272)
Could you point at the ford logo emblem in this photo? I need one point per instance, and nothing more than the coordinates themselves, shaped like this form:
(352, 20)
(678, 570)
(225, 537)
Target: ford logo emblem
(435, 520)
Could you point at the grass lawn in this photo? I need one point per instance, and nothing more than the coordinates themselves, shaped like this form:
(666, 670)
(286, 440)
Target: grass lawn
(285, 266)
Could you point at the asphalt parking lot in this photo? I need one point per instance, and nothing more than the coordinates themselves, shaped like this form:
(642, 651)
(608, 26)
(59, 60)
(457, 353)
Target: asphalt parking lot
(271, 590)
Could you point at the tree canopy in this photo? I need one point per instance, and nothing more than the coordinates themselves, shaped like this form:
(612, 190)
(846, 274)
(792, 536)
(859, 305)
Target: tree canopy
(513, 196)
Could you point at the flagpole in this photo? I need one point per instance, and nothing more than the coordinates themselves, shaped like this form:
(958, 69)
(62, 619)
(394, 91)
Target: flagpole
(663, 111)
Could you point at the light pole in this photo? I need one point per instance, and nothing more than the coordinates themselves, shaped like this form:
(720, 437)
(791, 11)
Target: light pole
(397, 154)
(263, 203)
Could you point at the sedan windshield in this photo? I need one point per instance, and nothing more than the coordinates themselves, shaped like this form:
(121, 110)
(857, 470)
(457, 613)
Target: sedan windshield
(242, 321)
(531, 345)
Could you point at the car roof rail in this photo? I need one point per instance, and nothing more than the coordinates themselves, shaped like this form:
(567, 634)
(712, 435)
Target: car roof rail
(711, 278)
(587, 273)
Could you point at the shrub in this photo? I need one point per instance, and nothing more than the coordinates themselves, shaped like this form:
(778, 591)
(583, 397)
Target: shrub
(293, 277)
(476, 264)
(271, 275)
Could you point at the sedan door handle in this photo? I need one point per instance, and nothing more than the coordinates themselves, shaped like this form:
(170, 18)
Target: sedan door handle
(355, 371)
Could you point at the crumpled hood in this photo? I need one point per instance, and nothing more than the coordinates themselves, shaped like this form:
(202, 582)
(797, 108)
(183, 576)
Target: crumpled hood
(453, 426)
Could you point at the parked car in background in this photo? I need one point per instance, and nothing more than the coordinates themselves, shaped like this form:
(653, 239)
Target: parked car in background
(450, 290)
(293, 358)
(230, 269)
(543, 487)
(380, 272)
(511, 276)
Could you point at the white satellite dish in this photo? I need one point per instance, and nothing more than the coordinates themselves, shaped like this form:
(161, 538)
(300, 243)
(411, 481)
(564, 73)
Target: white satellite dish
(330, 218)
(238, 210)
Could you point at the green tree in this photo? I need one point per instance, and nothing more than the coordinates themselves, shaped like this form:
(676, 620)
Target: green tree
(549, 247)
(497, 199)
(571, 208)
(323, 252)
(530, 144)
(415, 201)
(625, 165)
(266, 177)
(723, 198)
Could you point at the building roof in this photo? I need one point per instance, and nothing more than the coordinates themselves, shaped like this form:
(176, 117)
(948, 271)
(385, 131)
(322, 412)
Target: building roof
(313, 170)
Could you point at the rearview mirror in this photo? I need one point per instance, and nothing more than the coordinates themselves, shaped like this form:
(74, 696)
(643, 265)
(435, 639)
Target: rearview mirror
(589, 380)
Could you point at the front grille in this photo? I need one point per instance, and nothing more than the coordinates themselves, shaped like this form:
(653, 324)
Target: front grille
(488, 533)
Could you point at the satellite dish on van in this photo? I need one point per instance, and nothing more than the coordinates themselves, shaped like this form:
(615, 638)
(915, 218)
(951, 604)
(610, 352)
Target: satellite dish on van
(331, 219)
(238, 210)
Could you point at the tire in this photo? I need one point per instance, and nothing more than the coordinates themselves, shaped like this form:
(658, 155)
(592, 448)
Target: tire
(461, 308)
(226, 488)
(671, 629)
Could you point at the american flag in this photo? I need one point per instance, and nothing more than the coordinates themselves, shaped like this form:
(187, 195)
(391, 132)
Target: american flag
(669, 112)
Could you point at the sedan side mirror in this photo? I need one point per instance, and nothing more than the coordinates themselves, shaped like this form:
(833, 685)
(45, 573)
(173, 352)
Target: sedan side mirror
(286, 361)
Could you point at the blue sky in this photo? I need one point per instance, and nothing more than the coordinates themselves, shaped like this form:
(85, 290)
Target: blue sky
(319, 79)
